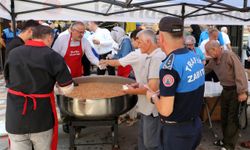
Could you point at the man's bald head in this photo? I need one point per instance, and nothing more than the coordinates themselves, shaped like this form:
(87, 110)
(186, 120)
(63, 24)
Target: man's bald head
(213, 48)
(211, 45)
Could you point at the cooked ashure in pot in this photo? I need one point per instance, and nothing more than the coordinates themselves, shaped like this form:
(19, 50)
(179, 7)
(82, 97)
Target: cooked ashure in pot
(97, 90)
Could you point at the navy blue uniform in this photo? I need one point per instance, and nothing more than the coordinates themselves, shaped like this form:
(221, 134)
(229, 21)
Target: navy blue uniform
(8, 35)
(182, 75)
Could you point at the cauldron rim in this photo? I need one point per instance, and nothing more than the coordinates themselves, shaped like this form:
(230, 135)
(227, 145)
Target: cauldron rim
(127, 102)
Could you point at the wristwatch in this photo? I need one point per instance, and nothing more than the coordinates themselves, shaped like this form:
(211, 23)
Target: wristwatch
(152, 98)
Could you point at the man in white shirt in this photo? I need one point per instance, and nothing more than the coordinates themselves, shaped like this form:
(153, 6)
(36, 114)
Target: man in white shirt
(102, 42)
(72, 46)
(149, 123)
(227, 42)
(213, 35)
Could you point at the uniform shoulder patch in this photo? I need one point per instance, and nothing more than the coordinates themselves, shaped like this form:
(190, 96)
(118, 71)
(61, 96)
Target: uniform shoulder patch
(169, 62)
(168, 80)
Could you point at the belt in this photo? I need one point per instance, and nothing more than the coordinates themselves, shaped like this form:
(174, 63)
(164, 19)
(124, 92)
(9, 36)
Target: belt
(229, 87)
(177, 122)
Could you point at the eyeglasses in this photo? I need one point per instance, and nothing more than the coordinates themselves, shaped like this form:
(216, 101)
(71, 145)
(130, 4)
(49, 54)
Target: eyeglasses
(189, 44)
(81, 32)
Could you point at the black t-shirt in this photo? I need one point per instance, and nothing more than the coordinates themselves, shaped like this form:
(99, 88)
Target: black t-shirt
(32, 69)
(17, 41)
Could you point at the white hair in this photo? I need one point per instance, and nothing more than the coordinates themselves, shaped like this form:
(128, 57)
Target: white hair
(147, 33)
(223, 29)
(190, 38)
(77, 23)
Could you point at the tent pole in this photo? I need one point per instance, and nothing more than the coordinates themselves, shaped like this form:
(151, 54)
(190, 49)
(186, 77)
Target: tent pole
(13, 16)
(183, 12)
(245, 4)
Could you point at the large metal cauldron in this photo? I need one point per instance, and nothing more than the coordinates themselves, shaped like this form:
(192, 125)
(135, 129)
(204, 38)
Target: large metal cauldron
(92, 109)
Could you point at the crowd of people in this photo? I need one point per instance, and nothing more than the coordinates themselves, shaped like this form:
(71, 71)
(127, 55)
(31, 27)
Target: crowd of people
(170, 72)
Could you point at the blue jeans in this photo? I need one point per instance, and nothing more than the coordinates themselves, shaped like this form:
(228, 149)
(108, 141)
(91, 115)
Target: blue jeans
(149, 137)
(183, 136)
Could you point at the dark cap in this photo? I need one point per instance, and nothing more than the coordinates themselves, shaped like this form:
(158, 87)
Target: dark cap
(171, 24)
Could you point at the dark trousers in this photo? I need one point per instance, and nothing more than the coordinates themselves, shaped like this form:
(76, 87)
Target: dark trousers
(211, 76)
(149, 132)
(111, 70)
(229, 117)
(183, 136)
(86, 65)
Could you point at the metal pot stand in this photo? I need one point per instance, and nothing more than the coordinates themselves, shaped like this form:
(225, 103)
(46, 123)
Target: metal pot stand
(96, 112)
(76, 123)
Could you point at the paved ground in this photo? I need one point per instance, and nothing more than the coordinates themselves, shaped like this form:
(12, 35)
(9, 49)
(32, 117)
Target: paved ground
(127, 134)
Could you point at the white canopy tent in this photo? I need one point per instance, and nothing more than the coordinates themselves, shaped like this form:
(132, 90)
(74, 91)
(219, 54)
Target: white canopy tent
(230, 12)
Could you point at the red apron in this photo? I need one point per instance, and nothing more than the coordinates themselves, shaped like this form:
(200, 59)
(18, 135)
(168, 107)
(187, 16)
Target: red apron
(73, 59)
(53, 106)
(124, 71)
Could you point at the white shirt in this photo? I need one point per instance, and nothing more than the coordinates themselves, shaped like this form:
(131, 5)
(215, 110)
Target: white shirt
(64, 32)
(202, 46)
(136, 59)
(226, 40)
(106, 41)
(145, 67)
(61, 46)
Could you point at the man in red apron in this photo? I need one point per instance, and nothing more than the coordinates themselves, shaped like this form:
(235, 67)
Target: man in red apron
(73, 59)
(31, 72)
(72, 46)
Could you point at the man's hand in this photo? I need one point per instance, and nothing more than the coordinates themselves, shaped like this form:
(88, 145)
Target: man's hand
(110, 56)
(242, 97)
(103, 62)
(130, 89)
(134, 88)
(95, 41)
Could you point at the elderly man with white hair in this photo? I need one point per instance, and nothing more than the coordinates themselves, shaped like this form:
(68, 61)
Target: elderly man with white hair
(149, 123)
(227, 42)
